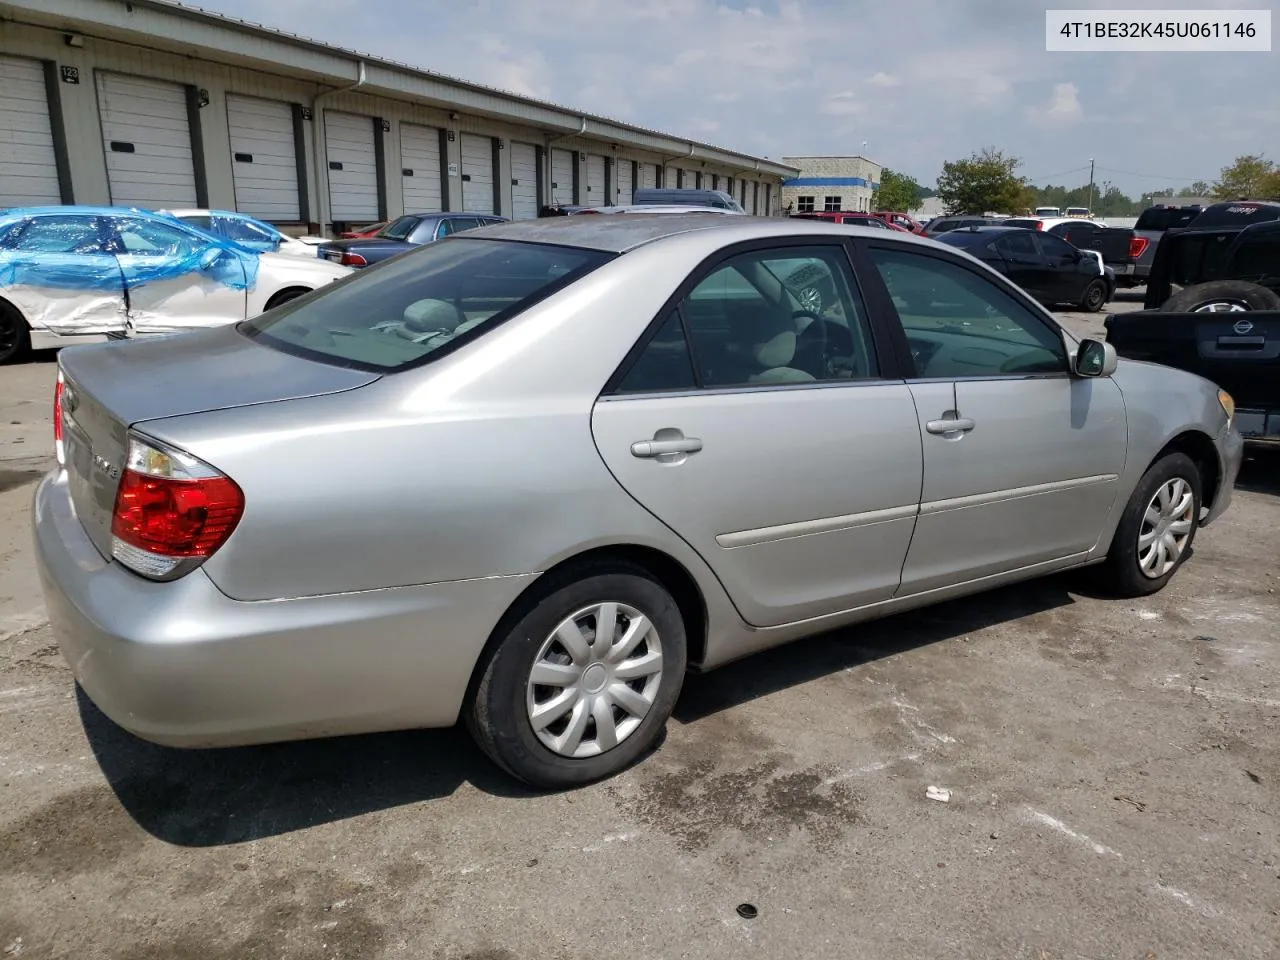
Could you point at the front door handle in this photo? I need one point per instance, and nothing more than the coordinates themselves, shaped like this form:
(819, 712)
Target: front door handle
(961, 425)
(648, 449)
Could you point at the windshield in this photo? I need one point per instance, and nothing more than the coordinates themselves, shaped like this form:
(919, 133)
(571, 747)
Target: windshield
(398, 229)
(402, 311)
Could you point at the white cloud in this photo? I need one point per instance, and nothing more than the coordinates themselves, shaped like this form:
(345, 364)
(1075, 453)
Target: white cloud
(843, 104)
(1063, 106)
(882, 79)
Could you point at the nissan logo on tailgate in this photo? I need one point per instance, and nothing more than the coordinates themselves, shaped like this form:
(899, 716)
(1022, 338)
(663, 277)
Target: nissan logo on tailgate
(1242, 327)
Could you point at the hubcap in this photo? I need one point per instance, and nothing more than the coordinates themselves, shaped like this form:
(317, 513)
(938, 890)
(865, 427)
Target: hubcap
(1221, 306)
(1166, 526)
(594, 680)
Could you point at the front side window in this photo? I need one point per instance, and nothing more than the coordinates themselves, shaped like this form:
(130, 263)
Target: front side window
(61, 234)
(961, 324)
(804, 204)
(147, 238)
(1056, 249)
(779, 316)
(402, 311)
(831, 204)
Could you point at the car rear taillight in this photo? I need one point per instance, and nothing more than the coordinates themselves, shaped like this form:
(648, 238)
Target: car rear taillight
(172, 511)
(1136, 246)
(353, 260)
(58, 448)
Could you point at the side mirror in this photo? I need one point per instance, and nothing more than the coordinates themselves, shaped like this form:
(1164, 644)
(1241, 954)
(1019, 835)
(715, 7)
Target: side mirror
(209, 257)
(1095, 358)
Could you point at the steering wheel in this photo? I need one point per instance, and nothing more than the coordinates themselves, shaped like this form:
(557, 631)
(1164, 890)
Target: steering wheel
(819, 344)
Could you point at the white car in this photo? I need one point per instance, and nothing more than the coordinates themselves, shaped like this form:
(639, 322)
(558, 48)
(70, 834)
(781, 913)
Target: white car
(249, 232)
(76, 274)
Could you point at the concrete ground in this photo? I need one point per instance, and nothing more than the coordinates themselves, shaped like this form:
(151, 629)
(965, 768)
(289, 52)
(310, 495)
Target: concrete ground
(1114, 778)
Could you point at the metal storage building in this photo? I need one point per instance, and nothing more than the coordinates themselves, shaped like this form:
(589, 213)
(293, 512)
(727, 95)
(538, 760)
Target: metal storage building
(154, 104)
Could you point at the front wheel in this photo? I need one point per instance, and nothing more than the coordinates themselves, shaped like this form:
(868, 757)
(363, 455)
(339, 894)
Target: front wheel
(580, 686)
(1156, 529)
(1095, 295)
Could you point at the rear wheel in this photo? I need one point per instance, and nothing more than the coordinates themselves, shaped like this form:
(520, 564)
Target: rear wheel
(1157, 528)
(15, 336)
(1095, 295)
(580, 685)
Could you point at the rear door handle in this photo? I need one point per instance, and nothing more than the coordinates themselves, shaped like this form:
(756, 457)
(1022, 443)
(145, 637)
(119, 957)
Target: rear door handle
(961, 425)
(648, 449)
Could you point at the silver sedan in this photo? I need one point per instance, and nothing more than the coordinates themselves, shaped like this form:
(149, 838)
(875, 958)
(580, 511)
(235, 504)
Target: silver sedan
(531, 475)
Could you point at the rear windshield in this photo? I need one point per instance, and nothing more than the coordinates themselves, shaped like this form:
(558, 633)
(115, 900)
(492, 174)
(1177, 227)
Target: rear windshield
(1166, 219)
(1236, 215)
(399, 228)
(403, 311)
(1026, 224)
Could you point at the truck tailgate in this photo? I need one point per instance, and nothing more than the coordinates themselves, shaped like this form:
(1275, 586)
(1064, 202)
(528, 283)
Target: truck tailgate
(1240, 352)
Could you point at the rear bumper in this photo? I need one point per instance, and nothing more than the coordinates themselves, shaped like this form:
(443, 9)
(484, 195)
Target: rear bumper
(1258, 424)
(182, 664)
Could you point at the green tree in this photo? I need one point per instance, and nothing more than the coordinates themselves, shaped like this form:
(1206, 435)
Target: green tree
(1197, 189)
(987, 180)
(1249, 176)
(897, 192)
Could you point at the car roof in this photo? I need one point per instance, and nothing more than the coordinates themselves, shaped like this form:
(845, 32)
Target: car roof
(620, 234)
(75, 210)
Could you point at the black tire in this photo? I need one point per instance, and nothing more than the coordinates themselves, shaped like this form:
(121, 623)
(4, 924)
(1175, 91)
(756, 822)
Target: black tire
(1238, 293)
(15, 335)
(1094, 296)
(498, 714)
(1122, 573)
(284, 296)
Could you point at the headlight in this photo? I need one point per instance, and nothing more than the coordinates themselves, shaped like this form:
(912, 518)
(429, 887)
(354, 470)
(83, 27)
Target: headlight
(1228, 406)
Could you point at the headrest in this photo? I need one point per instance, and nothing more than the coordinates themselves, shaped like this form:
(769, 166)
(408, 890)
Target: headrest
(429, 316)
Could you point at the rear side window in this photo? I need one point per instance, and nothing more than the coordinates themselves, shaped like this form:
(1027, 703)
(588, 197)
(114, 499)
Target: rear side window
(61, 235)
(401, 312)
(1257, 259)
(1019, 245)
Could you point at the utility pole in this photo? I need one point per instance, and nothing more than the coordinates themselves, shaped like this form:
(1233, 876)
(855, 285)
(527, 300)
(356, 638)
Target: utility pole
(1091, 184)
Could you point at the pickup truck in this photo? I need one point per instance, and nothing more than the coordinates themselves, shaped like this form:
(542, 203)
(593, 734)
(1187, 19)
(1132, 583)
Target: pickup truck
(1213, 308)
(1151, 226)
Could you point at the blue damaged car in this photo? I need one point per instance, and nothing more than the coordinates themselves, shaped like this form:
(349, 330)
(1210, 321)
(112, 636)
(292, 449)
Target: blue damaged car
(76, 274)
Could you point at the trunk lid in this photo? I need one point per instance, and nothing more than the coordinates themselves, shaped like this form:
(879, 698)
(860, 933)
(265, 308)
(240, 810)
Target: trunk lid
(111, 387)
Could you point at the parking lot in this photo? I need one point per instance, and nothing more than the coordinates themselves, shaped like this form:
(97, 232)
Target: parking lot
(1112, 770)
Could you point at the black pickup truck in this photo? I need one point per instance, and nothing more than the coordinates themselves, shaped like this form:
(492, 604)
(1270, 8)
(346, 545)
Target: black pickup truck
(1213, 308)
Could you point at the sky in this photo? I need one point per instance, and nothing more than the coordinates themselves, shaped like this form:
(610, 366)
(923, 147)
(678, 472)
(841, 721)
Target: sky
(919, 82)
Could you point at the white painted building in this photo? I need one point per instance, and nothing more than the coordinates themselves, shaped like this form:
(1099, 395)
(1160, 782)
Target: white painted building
(151, 104)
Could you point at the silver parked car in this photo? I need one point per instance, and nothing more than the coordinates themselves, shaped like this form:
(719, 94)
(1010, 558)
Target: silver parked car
(530, 475)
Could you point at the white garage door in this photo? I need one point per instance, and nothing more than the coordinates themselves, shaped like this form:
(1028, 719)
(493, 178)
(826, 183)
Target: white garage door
(624, 182)
(595, 181)
(148, 142)
(264, 166)
(562, 176)
(420, 168)
(648, 175)
(477, 173)
(524, 181)
(28, 168)
(353, 168)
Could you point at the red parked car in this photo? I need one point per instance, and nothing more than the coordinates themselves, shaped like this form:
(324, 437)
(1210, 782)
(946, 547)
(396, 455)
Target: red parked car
(857, 219)
(907, 223)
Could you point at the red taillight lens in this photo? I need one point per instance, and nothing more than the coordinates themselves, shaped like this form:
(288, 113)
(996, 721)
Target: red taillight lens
(1039, 224)
(353, 260)
(1136, 246)
(176, 518)
(58, 447)
(170, 507)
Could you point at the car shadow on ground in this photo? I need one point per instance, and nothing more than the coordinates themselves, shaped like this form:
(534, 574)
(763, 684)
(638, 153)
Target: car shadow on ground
(204, 798)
